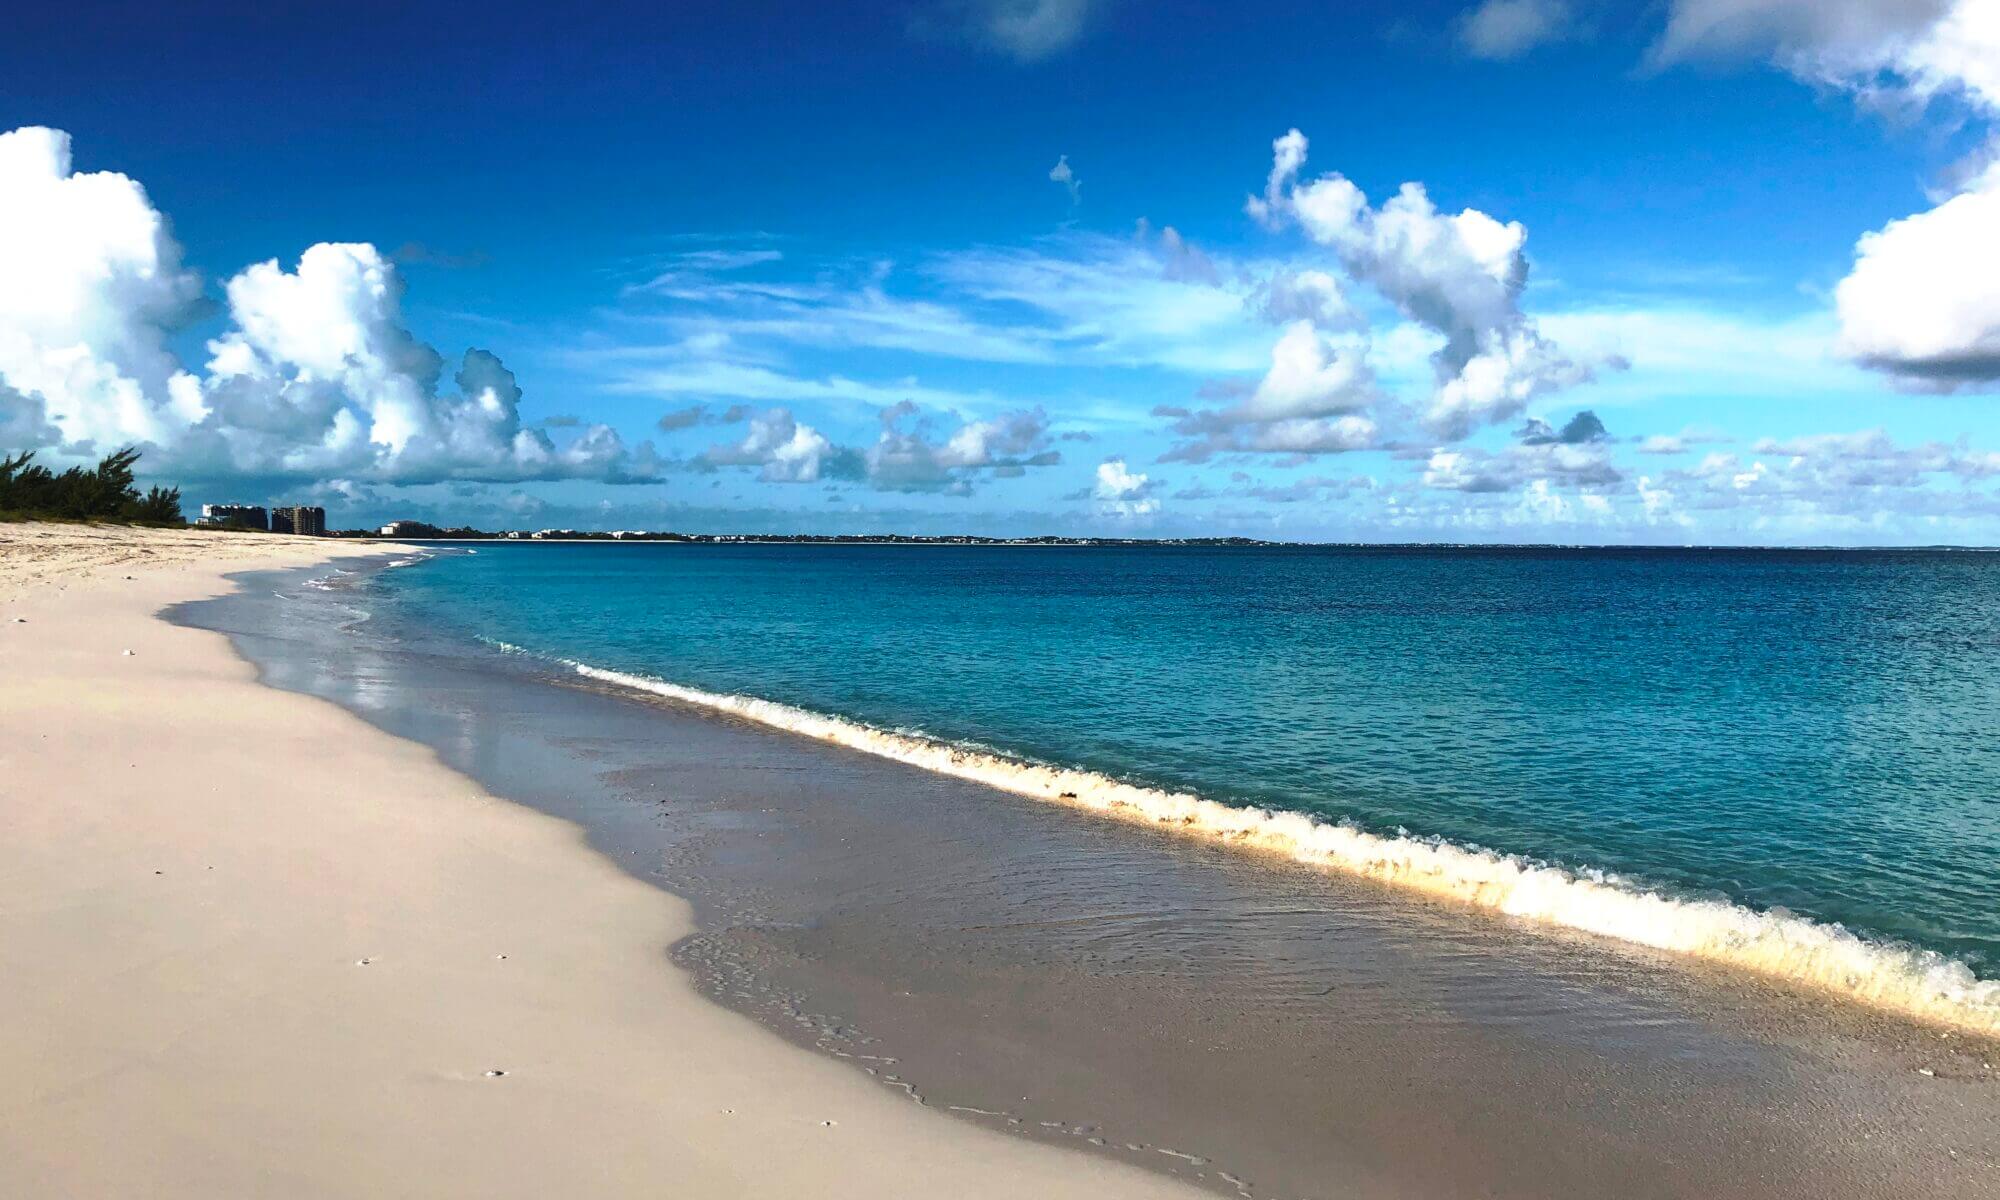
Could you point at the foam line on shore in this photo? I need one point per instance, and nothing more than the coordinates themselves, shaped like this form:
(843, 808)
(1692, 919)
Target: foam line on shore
(1909, 981)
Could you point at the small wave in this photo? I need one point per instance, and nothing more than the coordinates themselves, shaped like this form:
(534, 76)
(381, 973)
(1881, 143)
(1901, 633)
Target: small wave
(328, 582)
(1914, 982)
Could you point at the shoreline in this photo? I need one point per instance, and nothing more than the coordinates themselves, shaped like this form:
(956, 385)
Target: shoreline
(1165, 544)
(1789, 950)
(258, 947)
(1831, 940)
(864, 907)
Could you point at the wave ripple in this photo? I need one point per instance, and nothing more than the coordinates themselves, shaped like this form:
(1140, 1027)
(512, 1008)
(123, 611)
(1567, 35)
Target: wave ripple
(1829, 958)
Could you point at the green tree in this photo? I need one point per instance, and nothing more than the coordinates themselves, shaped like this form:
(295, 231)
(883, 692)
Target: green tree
(105, 492)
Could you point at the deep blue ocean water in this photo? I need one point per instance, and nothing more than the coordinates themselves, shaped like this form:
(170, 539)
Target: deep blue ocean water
(1810, 731)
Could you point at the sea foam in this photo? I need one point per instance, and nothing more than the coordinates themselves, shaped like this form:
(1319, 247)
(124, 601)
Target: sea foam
(1913, 982)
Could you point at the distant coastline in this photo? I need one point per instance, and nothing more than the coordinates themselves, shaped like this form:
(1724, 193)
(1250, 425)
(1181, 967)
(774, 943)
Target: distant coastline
(452, 536)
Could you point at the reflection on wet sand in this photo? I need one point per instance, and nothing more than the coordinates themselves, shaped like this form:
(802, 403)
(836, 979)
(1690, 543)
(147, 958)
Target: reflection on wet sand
(1266, 1029)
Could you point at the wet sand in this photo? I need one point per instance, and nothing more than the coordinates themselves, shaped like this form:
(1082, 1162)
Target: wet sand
(1254, 1028)
(251, 946)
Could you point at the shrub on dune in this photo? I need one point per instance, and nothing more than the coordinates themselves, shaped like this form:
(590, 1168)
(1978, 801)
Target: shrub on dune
(105, 492)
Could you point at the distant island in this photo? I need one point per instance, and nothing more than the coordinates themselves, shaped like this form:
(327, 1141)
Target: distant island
(423, 532)
(417, 531)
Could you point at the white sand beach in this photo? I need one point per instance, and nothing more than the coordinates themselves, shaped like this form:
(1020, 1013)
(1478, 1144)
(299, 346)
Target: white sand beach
(251, 946)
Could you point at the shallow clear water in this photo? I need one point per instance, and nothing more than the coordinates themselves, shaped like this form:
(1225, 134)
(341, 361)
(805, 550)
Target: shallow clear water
(1808, 731)
(1257, 1026)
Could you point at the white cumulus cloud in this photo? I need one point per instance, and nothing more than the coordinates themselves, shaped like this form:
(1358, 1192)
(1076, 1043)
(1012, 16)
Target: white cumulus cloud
(91, 283)
(1578, 455)
(314, 377)
(1459, 274)
(1922, 47)
(1123, 491)
(1923, 300)
(1309, 377)
(911, 453)
(1305, 295)
(907, 457)
(1309, 402)
(783, 449)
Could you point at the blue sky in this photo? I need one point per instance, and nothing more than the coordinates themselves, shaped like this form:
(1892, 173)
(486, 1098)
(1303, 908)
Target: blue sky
(814, 267)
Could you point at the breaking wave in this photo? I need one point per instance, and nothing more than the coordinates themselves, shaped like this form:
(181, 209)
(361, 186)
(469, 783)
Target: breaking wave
(1826, 957)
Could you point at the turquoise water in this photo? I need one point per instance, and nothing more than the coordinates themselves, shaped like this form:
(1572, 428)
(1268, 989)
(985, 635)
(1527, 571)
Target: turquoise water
(1817, 733)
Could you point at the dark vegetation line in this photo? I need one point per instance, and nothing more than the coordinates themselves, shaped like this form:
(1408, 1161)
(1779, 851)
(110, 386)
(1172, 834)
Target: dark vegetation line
(104, 492)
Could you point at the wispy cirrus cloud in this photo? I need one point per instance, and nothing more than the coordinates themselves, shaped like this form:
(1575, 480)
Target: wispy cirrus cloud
(1505, 29)
(700, 374)
(1067, 300)
(1395, 330)
(1027, 31)
(1064, 174)
(1117, 302)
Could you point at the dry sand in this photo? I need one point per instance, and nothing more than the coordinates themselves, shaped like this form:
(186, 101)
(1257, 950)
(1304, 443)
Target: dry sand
(250, 946)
